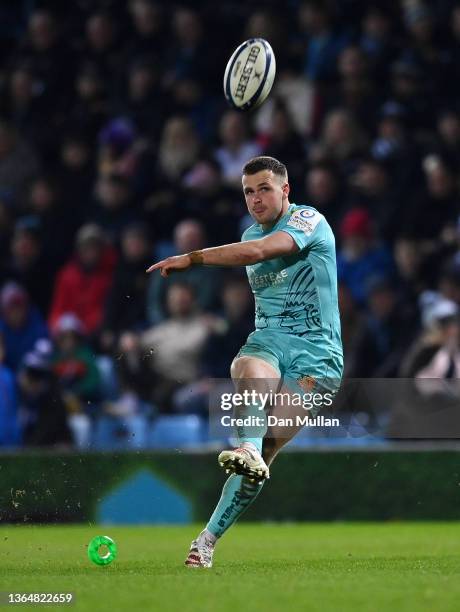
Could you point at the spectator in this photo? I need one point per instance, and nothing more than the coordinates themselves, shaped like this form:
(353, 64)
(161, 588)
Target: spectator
(411, 267)
(394, 147)
(55, 216)
(21, 325)
(46, 52)
(90, 108)
(425, 48)
(356, 92)
(179, 150)
(361, 258)
(352, 63)
(73, 361)
(283, 142)
(371, 187)
(378, 40)
(27, 264)
(439, 201)
(134, 375)
(113, 208)
(264, 23)
(342, 141)
(43, 409)
(82, 285)
(226, 339)
(188, 57)
(297, 95)
(224, 342)
(408, 88)
(150, 33)
(188, 99)
(175, 344)
(75, 170)
(102, 48)
(24, 107)
(119, 149)
(188, 236)
(236, 148)
(323, 43)
(205, 198)
(322, 185)
(144, 103)
(388, 331)
(76, 370)
(18, 163)
(436, 352)
(126, 305)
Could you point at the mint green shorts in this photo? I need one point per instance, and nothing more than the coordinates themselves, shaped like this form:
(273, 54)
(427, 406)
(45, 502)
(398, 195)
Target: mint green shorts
(296, 357)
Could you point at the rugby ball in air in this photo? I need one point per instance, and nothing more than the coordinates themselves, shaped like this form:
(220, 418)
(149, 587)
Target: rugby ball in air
(249, 74)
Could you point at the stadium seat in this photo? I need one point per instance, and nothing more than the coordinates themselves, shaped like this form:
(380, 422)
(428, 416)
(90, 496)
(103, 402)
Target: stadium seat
(121, 433)
(177, 431)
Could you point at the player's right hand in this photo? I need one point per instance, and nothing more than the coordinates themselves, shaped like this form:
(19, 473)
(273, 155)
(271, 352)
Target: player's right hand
(171, 264)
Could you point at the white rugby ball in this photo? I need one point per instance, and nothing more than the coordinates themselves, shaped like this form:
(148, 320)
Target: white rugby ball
(249, 74)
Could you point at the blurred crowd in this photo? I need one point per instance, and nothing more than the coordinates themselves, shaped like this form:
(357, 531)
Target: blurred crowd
(117, 149)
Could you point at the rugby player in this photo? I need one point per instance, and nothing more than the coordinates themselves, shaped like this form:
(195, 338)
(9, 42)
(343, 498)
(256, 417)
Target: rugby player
(289, 254)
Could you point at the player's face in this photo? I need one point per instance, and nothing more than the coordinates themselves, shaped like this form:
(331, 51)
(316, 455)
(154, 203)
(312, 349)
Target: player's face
(266, 196)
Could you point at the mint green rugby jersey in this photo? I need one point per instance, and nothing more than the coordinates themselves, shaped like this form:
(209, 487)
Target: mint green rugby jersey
(297, 294)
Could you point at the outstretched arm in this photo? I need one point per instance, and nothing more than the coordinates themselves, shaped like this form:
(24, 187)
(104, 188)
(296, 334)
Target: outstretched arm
(235, 254)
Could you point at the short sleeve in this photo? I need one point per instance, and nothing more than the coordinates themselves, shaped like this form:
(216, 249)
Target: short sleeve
(303, 225)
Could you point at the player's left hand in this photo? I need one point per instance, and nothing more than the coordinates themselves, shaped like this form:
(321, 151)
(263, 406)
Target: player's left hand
(171, 264)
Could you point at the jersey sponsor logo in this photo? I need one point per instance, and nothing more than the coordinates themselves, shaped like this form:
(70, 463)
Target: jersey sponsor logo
(260, 281)
(305, 220)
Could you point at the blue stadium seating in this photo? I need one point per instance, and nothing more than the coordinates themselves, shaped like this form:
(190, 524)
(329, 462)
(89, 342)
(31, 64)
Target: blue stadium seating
(177, 431)
(121, 433)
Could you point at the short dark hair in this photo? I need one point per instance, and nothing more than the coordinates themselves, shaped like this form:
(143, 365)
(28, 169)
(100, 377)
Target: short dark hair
(264, 162)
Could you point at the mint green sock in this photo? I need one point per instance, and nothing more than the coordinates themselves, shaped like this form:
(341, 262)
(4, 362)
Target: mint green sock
(237, 494)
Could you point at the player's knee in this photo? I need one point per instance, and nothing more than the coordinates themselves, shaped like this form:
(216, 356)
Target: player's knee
(251, 367)
(241, 367)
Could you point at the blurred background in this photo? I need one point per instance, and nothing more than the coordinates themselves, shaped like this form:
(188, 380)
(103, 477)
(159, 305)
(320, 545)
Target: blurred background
(117, 149)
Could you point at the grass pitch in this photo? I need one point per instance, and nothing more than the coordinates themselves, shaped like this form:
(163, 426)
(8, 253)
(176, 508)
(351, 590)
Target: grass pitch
(317, 567)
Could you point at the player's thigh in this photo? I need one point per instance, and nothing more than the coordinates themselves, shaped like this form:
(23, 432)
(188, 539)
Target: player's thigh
(260, 357)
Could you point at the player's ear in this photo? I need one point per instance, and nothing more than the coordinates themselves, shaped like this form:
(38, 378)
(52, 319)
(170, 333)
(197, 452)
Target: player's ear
(286, 190)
